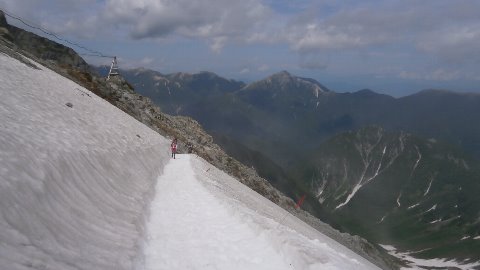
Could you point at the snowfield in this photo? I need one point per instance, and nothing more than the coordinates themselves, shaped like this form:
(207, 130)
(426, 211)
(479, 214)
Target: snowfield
(88, 187)
(225, 225)
(75, 182)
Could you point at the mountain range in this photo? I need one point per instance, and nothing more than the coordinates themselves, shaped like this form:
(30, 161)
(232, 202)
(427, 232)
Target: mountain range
(290, 110)
(397, 171)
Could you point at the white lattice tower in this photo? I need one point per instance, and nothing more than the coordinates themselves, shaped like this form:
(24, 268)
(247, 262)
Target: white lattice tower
(113, 68)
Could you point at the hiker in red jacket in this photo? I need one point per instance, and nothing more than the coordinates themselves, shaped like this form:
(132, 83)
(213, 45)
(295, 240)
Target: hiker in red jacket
(174, 147)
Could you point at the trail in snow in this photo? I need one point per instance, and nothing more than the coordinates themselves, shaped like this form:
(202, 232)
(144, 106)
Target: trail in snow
(207, 220)
(190, 229)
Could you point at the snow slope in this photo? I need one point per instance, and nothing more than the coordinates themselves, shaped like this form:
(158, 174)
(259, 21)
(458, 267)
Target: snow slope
(74, 182)
(201, 218)
(77, 184)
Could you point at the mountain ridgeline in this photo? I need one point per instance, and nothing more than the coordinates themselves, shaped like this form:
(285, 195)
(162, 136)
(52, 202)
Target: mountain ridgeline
(299, 113)
(398, 171)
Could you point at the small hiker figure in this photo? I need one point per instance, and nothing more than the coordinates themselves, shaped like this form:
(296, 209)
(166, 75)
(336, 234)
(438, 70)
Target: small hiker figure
(174, 147)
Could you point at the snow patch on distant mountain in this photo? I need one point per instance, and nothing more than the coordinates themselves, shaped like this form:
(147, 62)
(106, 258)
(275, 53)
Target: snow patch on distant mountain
(413, 206)
(431, 209)
(159, 78)
(368, 162)
(416, 263)
(429, 186)
(398, 199)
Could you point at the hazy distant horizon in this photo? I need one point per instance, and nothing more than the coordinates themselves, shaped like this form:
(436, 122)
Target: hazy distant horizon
(340, 85)
(393, 47)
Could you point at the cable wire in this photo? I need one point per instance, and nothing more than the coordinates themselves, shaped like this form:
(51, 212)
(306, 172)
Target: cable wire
(92, 53)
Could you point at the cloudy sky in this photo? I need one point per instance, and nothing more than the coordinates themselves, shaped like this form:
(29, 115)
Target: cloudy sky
(393, 46)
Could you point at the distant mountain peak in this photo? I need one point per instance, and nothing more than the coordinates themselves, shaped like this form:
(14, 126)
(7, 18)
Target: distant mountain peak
(282, 78)
(366, 93)
(285, 82)
(282, 74)
(180, 75)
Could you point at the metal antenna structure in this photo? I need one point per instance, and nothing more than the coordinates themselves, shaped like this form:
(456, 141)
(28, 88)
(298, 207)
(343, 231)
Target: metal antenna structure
(113, 68)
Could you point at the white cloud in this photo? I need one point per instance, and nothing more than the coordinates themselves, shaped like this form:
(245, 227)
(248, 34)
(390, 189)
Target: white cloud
(433, 26)
(314, 61)
(440, 38)
(217, 43)
(129, 63)
(217, 21)
(318, 37)
(147, 61)
(455, 43)
(244, 71)
(409, 75)
(443, 75)
(263, 67)
(439, 74)
(62, 17)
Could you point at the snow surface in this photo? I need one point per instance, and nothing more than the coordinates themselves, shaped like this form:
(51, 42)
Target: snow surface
(89, 187)
(429, 186)
(225, 225)
(74, 182)
(413, 206)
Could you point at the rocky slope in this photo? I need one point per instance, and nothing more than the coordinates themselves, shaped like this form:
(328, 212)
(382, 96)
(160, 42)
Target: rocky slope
(120, 93)
(394, 188)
